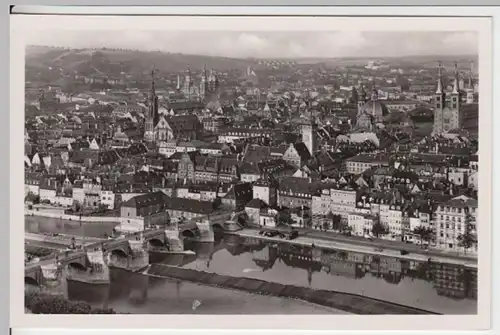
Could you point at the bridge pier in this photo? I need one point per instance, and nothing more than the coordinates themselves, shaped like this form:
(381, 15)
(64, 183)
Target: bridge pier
(96, 271)
(175, 242)
(135, 259)
(206, 231)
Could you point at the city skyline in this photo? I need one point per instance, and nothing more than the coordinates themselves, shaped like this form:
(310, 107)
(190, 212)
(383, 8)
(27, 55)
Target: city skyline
(264, 45)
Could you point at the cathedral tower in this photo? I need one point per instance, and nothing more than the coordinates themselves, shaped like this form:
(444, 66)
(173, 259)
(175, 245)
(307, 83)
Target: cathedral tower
(361, 97)
(309, 132)
(447, 113)
(204, 82)
(152, 113)
(187, 88)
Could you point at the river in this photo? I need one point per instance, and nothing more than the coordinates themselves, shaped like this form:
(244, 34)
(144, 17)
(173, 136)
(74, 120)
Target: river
(440, 288)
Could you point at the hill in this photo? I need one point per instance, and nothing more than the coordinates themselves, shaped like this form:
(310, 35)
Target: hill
(115, 61)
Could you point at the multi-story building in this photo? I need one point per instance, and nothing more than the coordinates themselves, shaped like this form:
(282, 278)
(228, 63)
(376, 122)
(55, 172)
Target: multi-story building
(360, 163)
(452, 218)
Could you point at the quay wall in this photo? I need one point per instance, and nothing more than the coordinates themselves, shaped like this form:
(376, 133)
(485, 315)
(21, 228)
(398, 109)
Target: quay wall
(350, 303)
(68, 217)
(353, 247)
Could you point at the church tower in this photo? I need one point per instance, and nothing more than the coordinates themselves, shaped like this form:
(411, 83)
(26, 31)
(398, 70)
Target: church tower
(152, 113)
(447, 113)
(188, 84)
(213, 84)
(204, 83)
(470, 91)
(309, 132)
(361, 97)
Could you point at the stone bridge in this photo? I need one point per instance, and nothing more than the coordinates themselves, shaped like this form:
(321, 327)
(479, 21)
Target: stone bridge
(90, 262)
(205, 225)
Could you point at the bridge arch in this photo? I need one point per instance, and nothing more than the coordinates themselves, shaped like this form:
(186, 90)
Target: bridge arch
(118, 252)
(156, 242)
(29, 280)
(188, 233)
(217, 227)
(77, 266)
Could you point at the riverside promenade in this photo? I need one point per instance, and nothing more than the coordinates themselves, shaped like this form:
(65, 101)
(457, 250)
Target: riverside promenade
(58, 213)
(375, 247)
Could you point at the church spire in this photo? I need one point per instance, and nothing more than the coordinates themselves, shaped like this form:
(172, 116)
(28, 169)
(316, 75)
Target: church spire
(471, 71)
(439, 89)
(456, 82)
(153, 91)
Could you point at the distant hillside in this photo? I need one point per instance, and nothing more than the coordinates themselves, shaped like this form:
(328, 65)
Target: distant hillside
(114, 61)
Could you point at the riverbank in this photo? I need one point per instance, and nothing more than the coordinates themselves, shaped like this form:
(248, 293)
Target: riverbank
(350, 303)
(353, 247)
(62, 216)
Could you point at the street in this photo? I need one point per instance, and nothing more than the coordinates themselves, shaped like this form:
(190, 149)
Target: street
(359, 244)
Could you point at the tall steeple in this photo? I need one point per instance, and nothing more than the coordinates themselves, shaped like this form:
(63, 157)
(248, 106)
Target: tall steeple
(152, 115)
(204, 82)
(456, 82)
(188, 84)
(153, 91)
(439, 89)
(471, 71)
(178, 87)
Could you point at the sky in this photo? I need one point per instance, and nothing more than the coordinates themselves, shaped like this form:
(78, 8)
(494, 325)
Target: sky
(270, 44)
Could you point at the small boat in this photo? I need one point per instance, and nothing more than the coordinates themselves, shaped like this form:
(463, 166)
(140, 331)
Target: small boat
(196, 304)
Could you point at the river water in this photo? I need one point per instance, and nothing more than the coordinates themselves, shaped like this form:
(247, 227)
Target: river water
(440, 288)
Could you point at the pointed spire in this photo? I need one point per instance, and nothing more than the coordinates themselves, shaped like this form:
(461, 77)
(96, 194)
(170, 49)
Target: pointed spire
(471, 84)
(153, 81)
(439, 89)
(456, 83)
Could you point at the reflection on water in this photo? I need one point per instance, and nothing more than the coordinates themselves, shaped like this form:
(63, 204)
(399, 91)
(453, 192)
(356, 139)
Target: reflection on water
(140, 294)
(442, 288)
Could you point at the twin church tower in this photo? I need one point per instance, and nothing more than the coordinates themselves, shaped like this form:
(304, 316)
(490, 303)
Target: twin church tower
(208, 89)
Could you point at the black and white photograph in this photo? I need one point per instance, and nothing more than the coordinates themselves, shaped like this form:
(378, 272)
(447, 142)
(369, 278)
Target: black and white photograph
(252, 172)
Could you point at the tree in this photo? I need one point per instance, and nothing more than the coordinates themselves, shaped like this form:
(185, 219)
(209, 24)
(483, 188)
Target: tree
(425, 234)
(284, 217)
(336, 221)
(468, 239)
(46, 303)
(379, 229)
